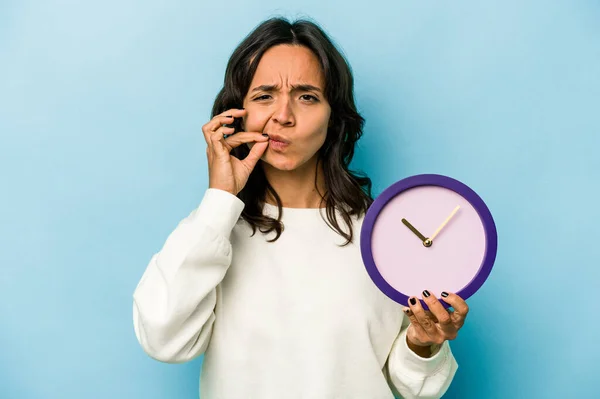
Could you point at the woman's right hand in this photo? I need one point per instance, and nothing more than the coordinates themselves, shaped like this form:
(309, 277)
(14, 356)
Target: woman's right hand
(225, 171)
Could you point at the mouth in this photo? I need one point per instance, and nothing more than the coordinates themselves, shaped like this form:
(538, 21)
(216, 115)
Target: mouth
(277, 139)
(278, 143)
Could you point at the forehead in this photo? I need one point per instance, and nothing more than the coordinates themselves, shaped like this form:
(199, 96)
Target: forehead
(287, 64)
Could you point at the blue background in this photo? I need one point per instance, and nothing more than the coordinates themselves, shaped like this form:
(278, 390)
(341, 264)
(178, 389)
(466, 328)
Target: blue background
(101, 108)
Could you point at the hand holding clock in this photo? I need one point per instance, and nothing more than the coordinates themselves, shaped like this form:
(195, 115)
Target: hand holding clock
(399, 268)
(433, 327)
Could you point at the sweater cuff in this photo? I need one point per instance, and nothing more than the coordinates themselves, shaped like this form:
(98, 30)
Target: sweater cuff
(219, 210)
(414, 365)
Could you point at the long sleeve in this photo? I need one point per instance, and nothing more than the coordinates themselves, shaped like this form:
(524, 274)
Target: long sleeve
(412, 376)
(174, 301)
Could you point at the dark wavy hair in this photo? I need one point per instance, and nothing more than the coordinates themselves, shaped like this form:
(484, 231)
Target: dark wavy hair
(346, 191)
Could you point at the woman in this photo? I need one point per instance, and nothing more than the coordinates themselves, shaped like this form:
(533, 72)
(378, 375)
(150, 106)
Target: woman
(289, 312)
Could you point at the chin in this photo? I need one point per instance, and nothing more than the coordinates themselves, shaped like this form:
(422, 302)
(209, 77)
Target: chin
(280, 162)
(284, 166)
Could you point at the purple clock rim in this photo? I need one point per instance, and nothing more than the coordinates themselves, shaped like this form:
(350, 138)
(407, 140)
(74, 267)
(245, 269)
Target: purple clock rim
(429, 180)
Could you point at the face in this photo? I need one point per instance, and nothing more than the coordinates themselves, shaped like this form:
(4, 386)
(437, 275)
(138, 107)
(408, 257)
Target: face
(286, 101)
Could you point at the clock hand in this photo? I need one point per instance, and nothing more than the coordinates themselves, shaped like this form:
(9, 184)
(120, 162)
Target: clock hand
(445, 222)
(412, 228)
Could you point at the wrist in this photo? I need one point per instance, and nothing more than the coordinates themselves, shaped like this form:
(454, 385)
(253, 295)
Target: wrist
(227, 190)
(420, 350)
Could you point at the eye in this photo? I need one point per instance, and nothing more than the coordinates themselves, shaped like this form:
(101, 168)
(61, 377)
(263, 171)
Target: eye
(263, 97)
(309, 98)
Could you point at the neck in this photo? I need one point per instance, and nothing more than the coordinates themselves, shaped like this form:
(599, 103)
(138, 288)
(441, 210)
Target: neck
(296, 188)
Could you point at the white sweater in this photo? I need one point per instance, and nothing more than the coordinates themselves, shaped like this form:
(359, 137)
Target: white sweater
(297, 318)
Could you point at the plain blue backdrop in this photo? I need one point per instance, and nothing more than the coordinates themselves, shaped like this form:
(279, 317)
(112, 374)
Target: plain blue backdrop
(101, 154)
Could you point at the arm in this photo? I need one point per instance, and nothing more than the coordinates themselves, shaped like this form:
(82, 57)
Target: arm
(173, 304)
(413, 376)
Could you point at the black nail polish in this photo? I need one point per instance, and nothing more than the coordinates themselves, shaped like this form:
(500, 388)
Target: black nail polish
(445, 294)
(228, 116)
(426, 294)
(266, 135)
(413, 301)
(407, 311)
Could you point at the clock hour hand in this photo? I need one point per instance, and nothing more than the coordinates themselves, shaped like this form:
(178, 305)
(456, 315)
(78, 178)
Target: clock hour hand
(412, 228)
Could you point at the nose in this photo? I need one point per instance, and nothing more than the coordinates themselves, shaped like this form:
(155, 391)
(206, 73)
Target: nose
(284, 115)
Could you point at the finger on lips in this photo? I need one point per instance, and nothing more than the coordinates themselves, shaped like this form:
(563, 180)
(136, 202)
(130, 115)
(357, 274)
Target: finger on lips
(246, 137)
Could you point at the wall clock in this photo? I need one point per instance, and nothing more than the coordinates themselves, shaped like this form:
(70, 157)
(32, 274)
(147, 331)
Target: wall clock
(431, 232)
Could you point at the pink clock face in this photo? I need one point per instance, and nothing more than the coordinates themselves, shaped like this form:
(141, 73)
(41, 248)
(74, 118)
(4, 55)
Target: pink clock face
(428, 232)
(455, 255)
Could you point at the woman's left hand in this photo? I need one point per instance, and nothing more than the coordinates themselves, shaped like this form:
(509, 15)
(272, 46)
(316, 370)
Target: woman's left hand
(437, 325)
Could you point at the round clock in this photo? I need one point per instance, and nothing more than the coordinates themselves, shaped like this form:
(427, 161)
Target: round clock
(428, 232)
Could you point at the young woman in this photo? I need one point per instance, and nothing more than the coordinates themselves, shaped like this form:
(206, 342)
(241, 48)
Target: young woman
(265, 277)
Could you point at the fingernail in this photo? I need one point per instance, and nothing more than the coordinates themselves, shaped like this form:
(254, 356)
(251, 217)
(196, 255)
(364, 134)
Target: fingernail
(445, 294)
(228, 116)
(407, 311)
(426, 294)
(413, 301)
(265, 134)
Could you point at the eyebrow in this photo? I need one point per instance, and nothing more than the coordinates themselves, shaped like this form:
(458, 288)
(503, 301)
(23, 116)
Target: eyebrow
(300, 87)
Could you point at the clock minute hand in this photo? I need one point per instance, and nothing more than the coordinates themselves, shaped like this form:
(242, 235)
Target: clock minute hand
(445, 223)
(412, 228)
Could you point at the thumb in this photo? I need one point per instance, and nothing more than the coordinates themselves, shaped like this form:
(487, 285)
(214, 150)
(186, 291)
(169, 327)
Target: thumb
(257, 151)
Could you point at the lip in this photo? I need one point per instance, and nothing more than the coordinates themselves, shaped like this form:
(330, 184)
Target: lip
(278, 138)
